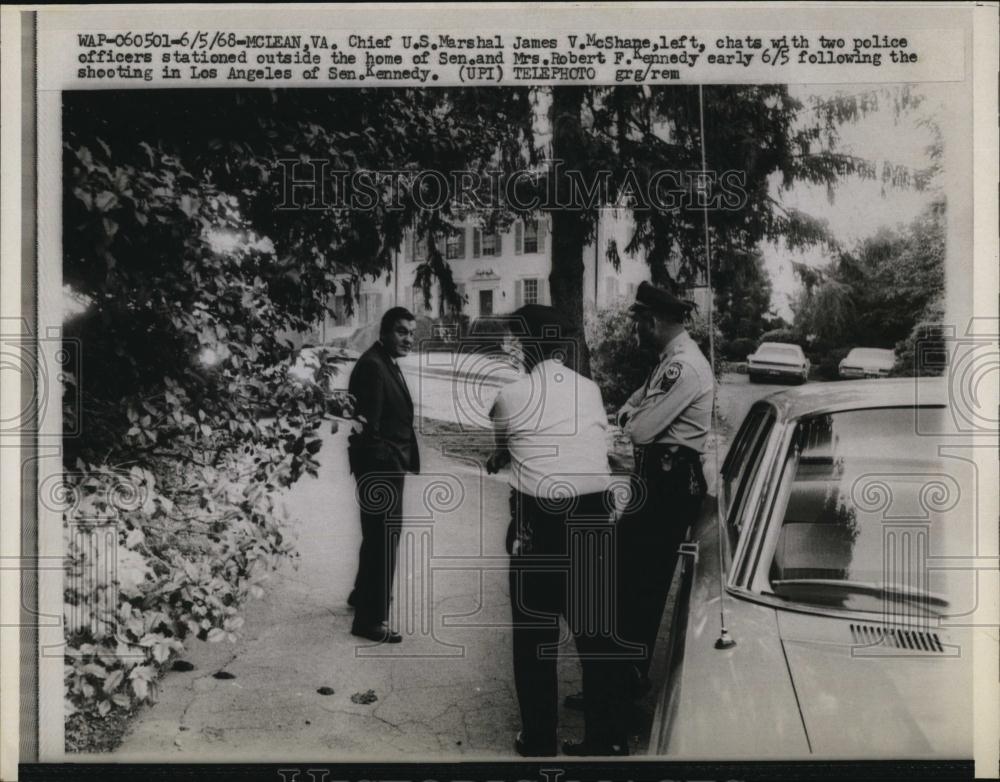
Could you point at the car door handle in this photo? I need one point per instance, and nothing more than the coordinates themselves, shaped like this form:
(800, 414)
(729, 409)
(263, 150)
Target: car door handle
(688, 550)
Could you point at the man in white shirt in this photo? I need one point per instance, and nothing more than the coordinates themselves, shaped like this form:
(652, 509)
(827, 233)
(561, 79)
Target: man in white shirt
(551, 428)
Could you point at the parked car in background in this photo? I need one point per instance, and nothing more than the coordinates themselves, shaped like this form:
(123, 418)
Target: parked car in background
(778, 361)
(825, 555)
(867, 363)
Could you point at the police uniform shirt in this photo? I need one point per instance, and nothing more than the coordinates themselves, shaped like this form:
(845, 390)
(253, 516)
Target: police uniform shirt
(674, 407)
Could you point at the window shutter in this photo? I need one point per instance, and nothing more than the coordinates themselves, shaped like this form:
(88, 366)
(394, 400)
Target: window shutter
(461, 243)
(518, 293)
(518, 238)
(413, 246)
(498, 243)
(476, 236)
(541, 234)
(543, 290)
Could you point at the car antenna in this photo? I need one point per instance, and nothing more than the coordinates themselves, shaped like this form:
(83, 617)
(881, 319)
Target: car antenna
(724, 641)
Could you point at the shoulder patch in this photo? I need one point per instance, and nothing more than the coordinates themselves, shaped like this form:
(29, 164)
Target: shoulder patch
(670, 375)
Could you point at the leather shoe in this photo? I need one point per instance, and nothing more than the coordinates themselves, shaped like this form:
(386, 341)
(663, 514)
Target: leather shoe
(582, 748)
(638, 686)
(533, 749)
(379, 633)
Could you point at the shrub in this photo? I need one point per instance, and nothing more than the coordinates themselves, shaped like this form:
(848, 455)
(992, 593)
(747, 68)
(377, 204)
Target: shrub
(826, 363)
(616, 363)
(698, 329)
(738, 349)
(783, 335)
(171, 496)
(924, 353)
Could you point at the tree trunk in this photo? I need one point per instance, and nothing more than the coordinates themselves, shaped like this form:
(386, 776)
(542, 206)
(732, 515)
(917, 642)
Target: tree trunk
(571, 223)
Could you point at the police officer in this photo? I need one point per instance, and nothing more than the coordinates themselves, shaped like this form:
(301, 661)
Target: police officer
(667, 419)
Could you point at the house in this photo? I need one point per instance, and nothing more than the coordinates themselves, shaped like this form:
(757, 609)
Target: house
(495, 273)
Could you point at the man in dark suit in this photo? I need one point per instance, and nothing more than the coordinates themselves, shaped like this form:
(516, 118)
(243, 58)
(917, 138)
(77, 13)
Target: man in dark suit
(380, 456)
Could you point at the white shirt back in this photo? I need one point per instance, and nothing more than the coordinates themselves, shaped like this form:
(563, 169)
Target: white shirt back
(556, 430)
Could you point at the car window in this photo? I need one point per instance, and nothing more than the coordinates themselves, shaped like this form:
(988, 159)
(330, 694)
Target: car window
(741, 465)
(865, 502)
(871, 354)
(775, 351)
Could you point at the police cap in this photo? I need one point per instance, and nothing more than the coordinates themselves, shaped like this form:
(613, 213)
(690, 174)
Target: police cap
(649, 298)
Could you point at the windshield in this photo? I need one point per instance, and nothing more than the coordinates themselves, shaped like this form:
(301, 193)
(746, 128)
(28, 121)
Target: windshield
(868, 508)
(871, 354)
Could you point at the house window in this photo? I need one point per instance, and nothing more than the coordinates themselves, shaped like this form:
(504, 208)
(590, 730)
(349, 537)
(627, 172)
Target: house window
(370, 307)
(455, 246)
(611, 288)
(461, 292)
(529, 236)
(417, 302)
(534, 237)
(485, 244)
(418, 249)
(531, 291)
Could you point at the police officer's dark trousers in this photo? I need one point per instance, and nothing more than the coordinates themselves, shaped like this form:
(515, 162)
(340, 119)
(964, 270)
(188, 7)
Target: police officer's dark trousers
(667, 490)
(559, 566)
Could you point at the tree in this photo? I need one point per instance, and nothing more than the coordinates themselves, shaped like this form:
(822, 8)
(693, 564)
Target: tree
(612, 146)
(743, 298)
(191, 272)
(874, 294)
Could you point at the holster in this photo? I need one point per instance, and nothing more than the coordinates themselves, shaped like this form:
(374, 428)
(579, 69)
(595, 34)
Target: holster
(676, 464)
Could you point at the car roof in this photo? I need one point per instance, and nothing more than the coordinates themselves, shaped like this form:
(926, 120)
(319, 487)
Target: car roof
(854, 394)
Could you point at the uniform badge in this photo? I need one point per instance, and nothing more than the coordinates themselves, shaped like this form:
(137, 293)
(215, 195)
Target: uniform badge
(670, 375)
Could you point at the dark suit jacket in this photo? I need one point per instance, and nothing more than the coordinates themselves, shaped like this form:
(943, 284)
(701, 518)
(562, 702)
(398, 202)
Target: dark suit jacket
(387, 441)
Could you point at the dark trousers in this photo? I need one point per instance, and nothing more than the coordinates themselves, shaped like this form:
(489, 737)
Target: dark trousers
(667, 491)
(380, 498)
(558, 565)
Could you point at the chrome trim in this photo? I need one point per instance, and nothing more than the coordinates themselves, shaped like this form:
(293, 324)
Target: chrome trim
(666, 706)
(830, 612)
(689, 549)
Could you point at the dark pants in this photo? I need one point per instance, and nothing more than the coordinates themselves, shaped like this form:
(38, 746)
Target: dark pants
(559, 567)
(667, 492)
(380, 497)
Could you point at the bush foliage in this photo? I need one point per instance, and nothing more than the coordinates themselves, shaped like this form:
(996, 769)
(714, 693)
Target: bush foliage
(617, 364)
(192, 425)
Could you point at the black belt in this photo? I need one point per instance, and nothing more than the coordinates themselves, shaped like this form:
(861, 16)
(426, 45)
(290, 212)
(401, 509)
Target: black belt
(680, 456)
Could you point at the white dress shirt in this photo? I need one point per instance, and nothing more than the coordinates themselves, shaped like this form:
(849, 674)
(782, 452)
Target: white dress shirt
(556, 430)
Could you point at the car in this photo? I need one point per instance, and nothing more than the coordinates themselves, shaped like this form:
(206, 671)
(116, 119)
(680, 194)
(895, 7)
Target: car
(867, 363)
(778, 360)
(816, 612)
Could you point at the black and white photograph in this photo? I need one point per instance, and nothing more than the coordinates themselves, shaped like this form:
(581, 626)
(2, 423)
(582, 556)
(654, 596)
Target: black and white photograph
(550, 421)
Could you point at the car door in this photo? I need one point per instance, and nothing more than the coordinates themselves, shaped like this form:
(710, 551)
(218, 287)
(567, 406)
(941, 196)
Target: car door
(735, 495)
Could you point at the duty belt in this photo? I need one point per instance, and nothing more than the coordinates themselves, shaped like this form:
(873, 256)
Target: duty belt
(680, 456)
